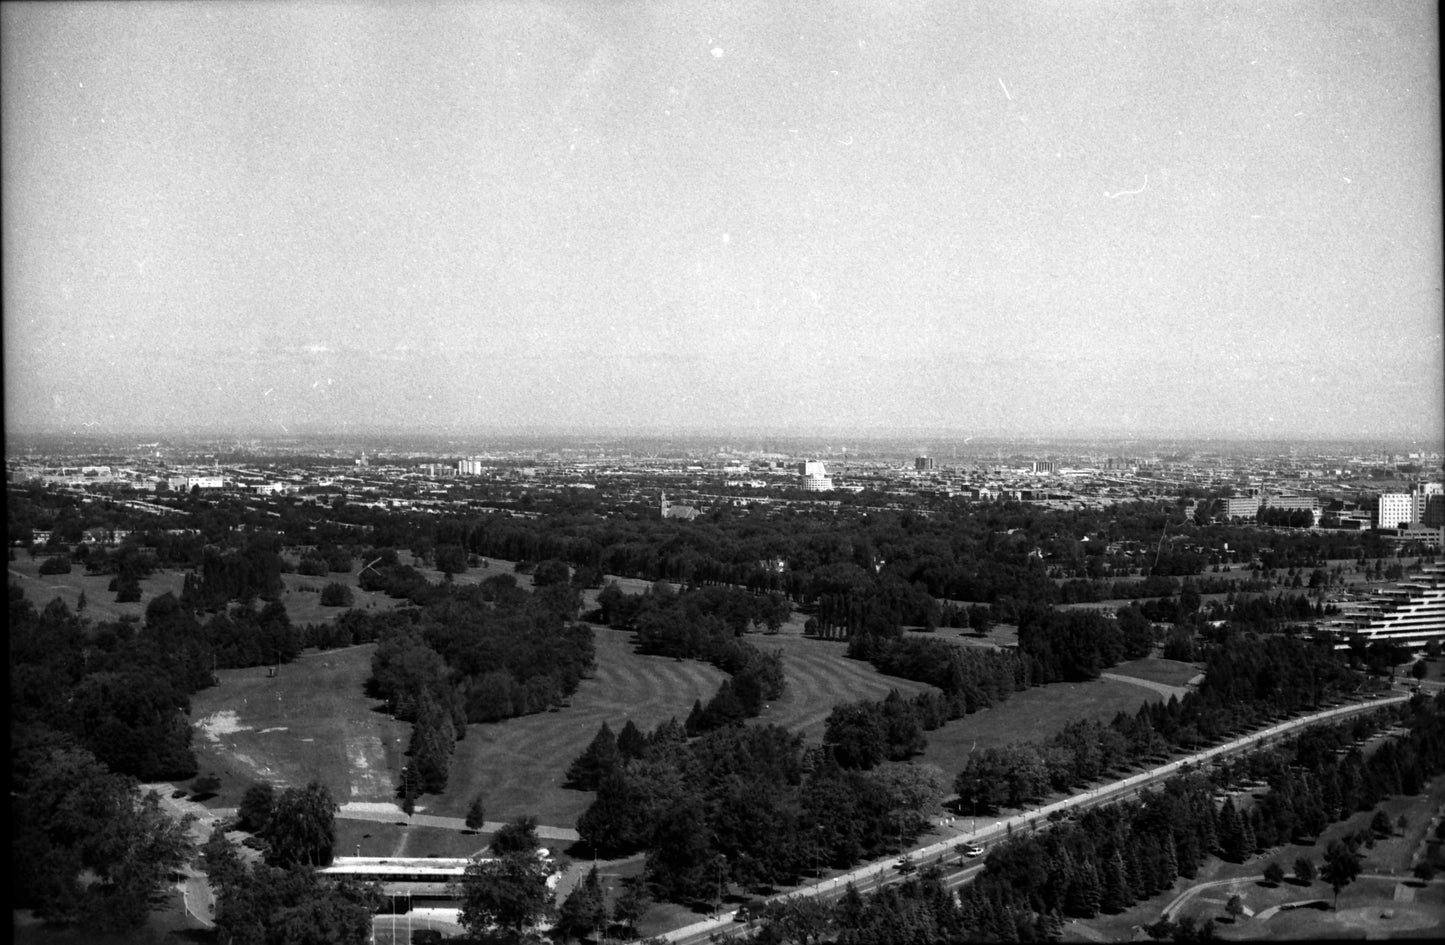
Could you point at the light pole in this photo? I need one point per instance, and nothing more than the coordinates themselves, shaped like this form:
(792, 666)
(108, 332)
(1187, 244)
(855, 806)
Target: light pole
(722, 862)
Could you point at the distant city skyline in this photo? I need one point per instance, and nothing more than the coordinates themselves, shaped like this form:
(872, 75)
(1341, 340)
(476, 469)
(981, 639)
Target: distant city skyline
(1027, 219)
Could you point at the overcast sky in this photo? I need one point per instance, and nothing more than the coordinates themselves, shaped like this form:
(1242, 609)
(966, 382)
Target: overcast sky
(1019, 217)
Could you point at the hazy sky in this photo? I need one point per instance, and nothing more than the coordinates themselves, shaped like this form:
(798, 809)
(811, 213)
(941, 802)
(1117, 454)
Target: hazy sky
(1030, 217)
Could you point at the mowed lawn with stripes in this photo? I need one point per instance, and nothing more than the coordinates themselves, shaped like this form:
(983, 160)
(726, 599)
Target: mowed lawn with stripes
(820, 676)
(518, 765)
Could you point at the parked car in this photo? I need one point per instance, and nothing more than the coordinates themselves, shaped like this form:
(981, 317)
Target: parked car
(753, 909)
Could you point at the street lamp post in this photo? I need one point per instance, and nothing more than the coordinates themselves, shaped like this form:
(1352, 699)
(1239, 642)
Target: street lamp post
(722, 862)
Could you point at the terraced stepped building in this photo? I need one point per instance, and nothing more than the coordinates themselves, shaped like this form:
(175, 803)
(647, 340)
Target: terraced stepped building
(1409, 613)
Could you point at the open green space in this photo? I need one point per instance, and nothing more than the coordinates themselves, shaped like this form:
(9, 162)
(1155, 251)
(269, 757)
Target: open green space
(1031, 715)
(41, 589)
(302, 594)
(311, 721)
(371, 838)
(1154, 669)
(820, 675)
(518, 765)
(1395, 907)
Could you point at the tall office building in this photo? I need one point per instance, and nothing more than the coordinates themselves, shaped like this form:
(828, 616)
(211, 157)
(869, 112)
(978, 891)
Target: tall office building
(1422, 505)
(1427, 499)
(1397, 510)
(815, 476)
(923, 464)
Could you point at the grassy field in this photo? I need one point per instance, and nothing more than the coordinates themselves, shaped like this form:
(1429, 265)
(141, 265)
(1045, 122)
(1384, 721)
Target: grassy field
(518, 765)
(302, 594)
(312, 721)
(41, 589)
(1398, 907)
(1168, 672)
(390, 840)
(820, 676)
(1030, 715)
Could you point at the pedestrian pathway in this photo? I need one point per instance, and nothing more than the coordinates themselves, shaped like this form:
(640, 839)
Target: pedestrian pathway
(1164, 689)
(391, 814)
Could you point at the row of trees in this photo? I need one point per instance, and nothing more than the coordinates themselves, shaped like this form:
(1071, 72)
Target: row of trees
(707, 624)
(1248, 681)
(298, 825)
(1077, 645)
(1111, 858)
(744, 804)
(87, 847)
(478, 653)
(268, 904)
(119, 691)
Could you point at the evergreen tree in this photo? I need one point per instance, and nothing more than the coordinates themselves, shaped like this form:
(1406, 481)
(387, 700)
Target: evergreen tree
(1081, 900)
(599, 758)
(584, 909)
(631, 743)
(476, 814)
(631, 903)
(1230, 833)
(1115, 894)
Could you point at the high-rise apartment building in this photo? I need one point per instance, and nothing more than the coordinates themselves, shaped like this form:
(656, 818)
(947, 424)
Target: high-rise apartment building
(1409, 613)
(923, 464)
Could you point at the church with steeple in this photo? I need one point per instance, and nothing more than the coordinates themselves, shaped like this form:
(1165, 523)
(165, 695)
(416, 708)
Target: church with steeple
(685, 512)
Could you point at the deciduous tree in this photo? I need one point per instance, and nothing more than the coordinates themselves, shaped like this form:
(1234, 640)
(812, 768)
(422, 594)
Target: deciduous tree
(510, 892)
(302, 828)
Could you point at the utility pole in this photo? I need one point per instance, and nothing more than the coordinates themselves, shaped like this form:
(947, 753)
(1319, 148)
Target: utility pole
(722, 862)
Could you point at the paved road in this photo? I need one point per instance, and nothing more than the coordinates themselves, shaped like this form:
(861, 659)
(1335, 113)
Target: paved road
(1164, 689)
(1310, 893)
(396, 816)
(884, 871)
(195, 886)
